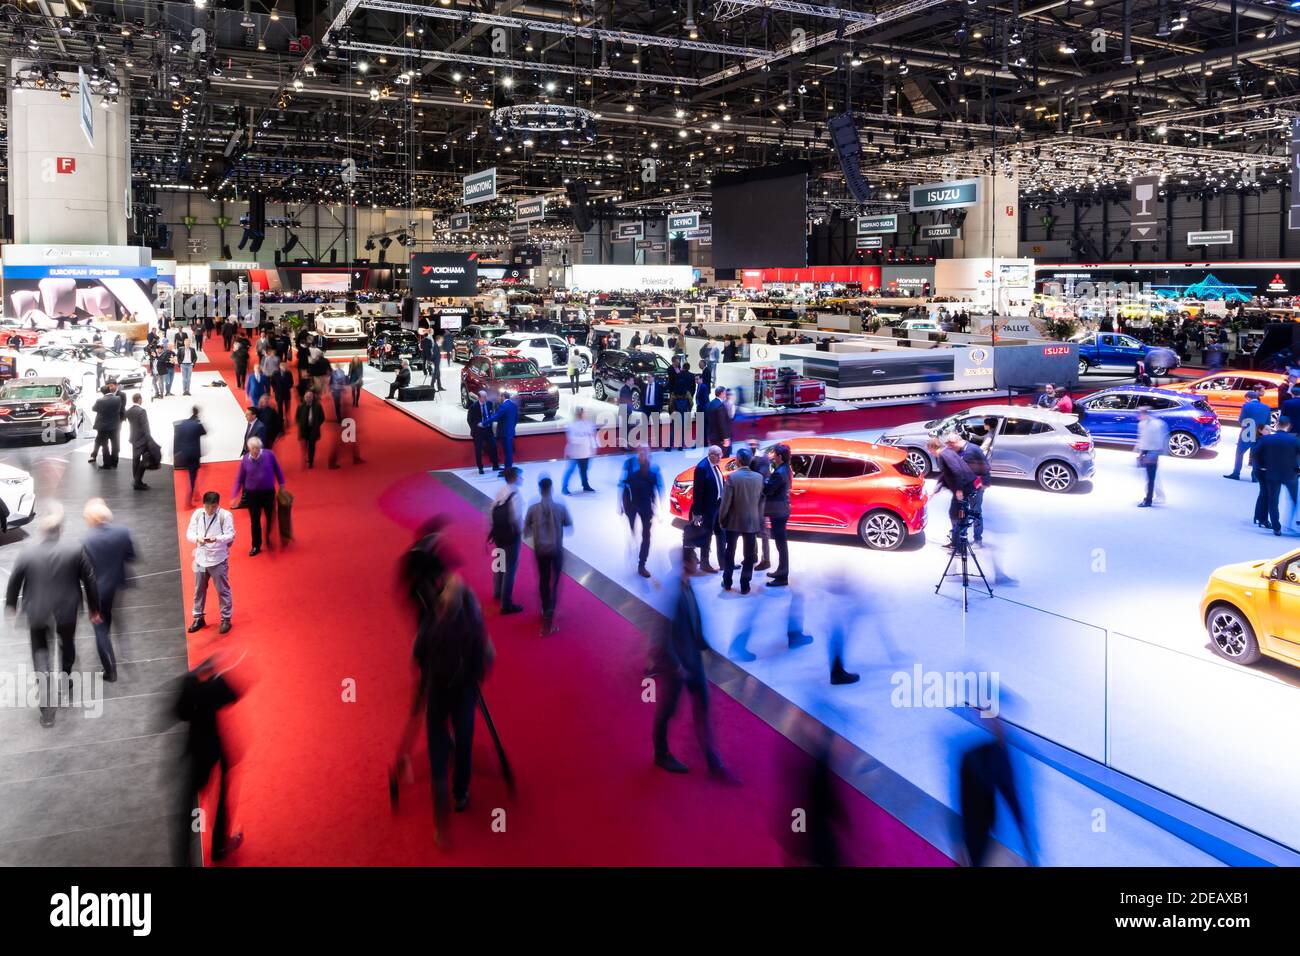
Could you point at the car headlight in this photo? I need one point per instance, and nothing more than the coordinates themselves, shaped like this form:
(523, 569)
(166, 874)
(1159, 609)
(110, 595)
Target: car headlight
(554, 390)
(682, 487)
(13, 482)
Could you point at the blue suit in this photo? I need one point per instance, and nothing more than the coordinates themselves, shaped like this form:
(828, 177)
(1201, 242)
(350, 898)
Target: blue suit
(1260, 414)
(1277, 461)
(109, 548)
(506, 417)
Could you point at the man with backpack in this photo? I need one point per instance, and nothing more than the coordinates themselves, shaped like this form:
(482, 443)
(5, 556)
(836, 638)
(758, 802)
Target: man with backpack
(505, 533)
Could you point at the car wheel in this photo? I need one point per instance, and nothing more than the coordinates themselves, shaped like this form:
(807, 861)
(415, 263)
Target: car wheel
(464, 397)
(1272, 419)
(598, 390)
(636, 400)
(1183, 445)
(583, 365)
(549, 416)
(1159, 370)
(1057, 477)
(30, 373)
(919, 460)
(1231, 636)
(1083, 366)
(882, 531)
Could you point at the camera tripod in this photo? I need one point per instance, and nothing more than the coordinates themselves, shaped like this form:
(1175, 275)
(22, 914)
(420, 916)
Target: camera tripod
(961, 549)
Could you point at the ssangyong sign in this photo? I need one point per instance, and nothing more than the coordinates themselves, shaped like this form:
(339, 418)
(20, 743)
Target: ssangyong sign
(436, 274)
(480, 186)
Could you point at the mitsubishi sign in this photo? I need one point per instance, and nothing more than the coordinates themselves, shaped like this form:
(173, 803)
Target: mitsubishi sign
(436, 274)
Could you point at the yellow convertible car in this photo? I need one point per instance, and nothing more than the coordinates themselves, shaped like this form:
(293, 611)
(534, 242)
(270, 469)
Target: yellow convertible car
(1252, 609)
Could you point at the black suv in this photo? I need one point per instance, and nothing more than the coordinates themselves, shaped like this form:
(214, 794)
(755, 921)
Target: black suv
(470, 340)
(389, 345)
(614, 366)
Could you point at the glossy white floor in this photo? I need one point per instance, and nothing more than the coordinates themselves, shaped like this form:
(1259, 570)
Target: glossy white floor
(1098, 647)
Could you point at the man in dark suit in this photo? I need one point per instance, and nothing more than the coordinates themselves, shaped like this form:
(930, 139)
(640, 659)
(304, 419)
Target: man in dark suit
(705, 501)
(141, 438)
(1277, 460)
(270, 419)
(48, 578)
(108, 409)
(109, 548)
(717, 421)
(255, 428)
(506, 417)
(187, 446)
(741, 514)
(776, 511)
(652, 401)
(681, 389)
(402, 380)
(432, 360)
(761, 465)
(479, 412)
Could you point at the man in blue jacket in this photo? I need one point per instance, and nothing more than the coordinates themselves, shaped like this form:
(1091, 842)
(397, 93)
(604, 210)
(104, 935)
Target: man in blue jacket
(110, 549)
(507, 417)
(1254, 416)
(1277, 462)
(187, 447)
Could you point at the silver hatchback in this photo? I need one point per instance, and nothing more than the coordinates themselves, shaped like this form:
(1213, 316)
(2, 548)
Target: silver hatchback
(1029, 444)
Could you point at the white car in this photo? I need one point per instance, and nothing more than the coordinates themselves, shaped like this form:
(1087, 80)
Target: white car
(339, 334)
(83, 334)
(76, 363)
(550, 352)
(18, 492)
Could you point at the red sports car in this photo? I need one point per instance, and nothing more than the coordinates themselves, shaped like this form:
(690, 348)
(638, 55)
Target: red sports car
(19, 337)
(840, 486)
(532, 391)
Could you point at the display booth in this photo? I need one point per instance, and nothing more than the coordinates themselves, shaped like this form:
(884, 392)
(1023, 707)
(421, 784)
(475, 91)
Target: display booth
(48, 286)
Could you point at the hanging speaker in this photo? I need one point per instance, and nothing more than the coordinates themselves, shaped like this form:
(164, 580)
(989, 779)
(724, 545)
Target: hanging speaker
(848, 146)
(577, 193)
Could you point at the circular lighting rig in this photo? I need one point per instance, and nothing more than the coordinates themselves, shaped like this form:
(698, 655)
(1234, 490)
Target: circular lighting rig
(543, 118)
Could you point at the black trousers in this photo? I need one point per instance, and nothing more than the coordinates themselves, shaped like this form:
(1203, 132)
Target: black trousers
(573, 380)
(750, 557)
(241, 376)
(198, 772)
(449, 723)
(310, 445)
(670, 687)
(137, 464)
(781, 539)
(549, 568)
(484, 441)
(106, 439)
(1274, 494)
(646, 514)
(104, 631)
(717, 535)
(261, 503)
(40, 636)
(193, 471)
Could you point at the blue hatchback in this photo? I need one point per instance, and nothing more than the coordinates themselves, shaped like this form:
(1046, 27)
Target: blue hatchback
(1111, 416)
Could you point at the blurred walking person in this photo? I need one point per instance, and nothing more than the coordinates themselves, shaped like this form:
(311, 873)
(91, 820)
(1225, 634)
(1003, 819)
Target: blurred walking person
(47, 582)
(677, 665)
(205, 692)
(579, 448)
(141, 440)
(1152, 442)
(640, 488)
(110, 548)
(545, 524)
(310, 418)
(984, 773)
(187, 447)
(505, 532)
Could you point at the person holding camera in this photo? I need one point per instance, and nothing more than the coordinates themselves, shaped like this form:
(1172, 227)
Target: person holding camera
(978, 463)
(958, 478)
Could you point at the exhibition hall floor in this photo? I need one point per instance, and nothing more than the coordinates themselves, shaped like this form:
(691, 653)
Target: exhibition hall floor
(1098, 648)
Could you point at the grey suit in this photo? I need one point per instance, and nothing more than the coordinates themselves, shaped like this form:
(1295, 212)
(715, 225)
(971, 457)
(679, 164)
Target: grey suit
(741, 513)
(48, 578)
(109, 548)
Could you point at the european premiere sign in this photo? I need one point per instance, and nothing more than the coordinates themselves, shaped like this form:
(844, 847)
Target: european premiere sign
(877, 225)
(480, 187)
(952, 195)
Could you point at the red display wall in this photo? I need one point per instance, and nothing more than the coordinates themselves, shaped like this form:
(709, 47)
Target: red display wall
(866, 276)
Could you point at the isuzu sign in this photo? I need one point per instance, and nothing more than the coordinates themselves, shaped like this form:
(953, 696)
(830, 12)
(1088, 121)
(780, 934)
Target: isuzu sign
(877, 225)
(480, 187)
(1222, 237)
(684, 222)
(530, 210)
(942, 231)
(953, 195)
(625, 231)
(444, 274)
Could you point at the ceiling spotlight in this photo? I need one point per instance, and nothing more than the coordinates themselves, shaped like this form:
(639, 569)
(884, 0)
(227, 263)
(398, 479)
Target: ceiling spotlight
(855, 61)
(507, 81)
(902, 66)
(803, 88)
(1014, 38)
(1066, 49)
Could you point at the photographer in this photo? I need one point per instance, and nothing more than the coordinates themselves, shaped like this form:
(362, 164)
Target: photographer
(978, 463)
(955, 475)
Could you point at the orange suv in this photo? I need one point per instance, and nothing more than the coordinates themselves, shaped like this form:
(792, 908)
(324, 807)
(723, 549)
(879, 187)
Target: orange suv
(840, 486)
(1226, 391)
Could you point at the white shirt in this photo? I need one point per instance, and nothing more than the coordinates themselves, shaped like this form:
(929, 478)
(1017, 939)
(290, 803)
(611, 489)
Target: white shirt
(219, 525)
(1152, 435)
(581, 439)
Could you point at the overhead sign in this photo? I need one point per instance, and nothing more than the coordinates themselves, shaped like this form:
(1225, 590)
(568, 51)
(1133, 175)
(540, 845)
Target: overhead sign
(460, 222)
(873, 225)
(1145, 212)
(1222, 237)
(869, 242)
(1295, 174)
(942, 231)
(644, 243)
(1276, 284)
(953, 195)
(658, 246)
(519, 230)
(443, 273)
(703, 235)
(627, 231)
(530, 210)
(87, 108)
(480, 186)
(683, 222)
(588, 253)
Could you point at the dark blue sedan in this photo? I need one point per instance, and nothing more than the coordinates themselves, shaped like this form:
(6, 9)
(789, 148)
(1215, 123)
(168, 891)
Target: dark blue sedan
(1111, 416)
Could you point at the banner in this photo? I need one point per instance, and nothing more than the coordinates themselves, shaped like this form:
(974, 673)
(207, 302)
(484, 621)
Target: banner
(873, 225)
(444, 274)
(530, 210)
(460, 222)
(626, 231)
(869, 242)
(1145, 224)
(1295, 174)
(683, 222)
(480, 186)
(953, 195)
(1221, 237)
(941, 231)
(87, 108)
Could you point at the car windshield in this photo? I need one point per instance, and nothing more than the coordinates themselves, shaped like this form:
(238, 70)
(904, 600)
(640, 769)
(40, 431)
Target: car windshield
(27, 393)
(647, 363)
(514, 370)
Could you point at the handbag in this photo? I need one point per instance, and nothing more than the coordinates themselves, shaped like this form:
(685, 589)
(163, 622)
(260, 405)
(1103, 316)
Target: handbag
(152, 455)
(695, 534)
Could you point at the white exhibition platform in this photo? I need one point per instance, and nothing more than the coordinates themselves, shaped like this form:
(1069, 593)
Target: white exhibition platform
(1098, 647)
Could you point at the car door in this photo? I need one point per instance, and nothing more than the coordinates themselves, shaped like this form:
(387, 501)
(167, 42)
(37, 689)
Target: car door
(831, 498)
(559, 351)
(803, 468)
(1220, 392)
(1109, 417)
(1282, 622)
(1128, 350)
(1014, 447)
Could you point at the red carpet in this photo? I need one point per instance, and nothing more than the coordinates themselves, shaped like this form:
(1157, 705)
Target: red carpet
(322, 615)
